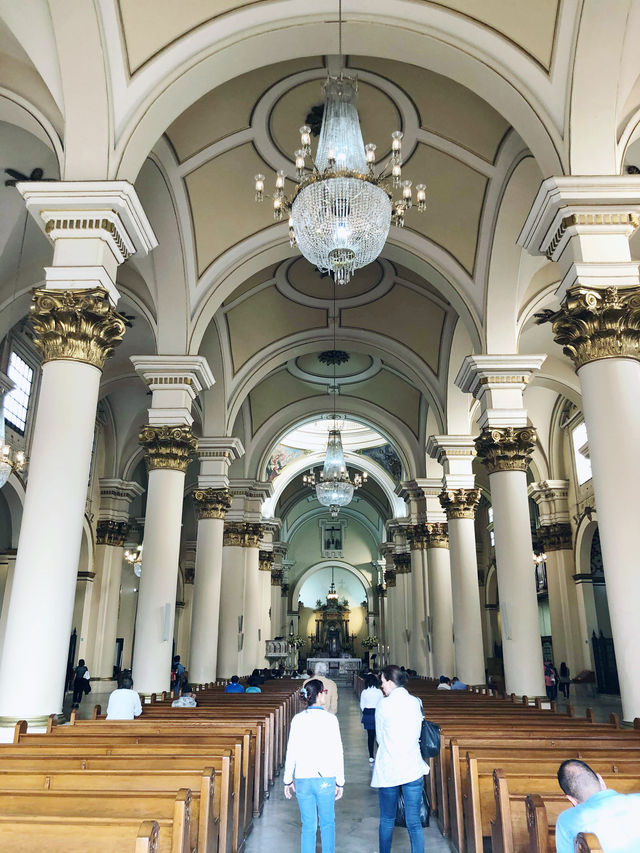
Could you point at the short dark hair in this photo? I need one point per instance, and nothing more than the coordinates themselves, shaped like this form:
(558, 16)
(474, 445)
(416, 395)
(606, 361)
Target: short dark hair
(187, 688)
(577, 779)
(396, 674)
(234, 679)
(125, 682)
(176, 658)
(370, 680)
(309, 692)
(81, 662)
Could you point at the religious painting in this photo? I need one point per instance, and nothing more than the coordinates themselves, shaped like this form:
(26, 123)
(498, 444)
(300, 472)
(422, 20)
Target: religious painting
(332, 538)
(280, 458)
(386, 457)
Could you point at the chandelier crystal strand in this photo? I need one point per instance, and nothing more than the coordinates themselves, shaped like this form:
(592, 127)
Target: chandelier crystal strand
(341, 210)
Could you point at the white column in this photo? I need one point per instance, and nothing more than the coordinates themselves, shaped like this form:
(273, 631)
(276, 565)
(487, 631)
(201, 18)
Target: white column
(231, 624)
(252, 598)
(418, 651)
(404, 621)
(94, 227)
(440, 599)
(211, 507)
(169, 448)
(265, 565)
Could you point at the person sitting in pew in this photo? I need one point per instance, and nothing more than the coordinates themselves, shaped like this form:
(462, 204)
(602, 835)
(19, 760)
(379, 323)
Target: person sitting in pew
(124, 703)
(252, 685)
(456, 684)
(445, 684)
(613, 817)
(234, 685)
(187, 700)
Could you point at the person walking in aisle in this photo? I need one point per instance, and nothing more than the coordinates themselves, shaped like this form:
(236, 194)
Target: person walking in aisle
(565, 680)
(369, 699)
(314, 767)
(399, 765)
(81, 683)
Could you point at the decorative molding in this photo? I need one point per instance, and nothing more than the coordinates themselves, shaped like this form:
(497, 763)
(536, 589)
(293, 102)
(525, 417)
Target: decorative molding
(506, 448)
(438, 535)
(402, 563)
(189, 574)
(277, 576)
(596, 323)
(265, 561)
(113, 533)
(168, 447)
(631, 220)
(417, 537)
(556, 537)
(211, 503)
(76, 325)
(237, 534)
(390, 578)
(106, 227)
(284, 590)
(459, 503)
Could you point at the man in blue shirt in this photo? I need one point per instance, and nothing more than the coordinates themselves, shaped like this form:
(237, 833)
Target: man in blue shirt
(613, 817)
(456, 684)
(234, 686)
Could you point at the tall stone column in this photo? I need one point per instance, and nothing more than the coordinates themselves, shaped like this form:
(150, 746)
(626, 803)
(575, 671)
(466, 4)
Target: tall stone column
(278, 603)
(211, 508)
(253, 599)
(184, 614)
(404, 611)
(265, 565)
(116, 497)
(169, 447)
(584, 225)
(440, 598)
(94, 226)
(390, 615)
(557, 541)
(419, 653)
(459, 499)
(231, 624)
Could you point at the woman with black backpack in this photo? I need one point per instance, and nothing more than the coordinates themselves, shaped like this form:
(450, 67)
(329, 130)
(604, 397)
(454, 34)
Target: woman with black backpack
(80, 683)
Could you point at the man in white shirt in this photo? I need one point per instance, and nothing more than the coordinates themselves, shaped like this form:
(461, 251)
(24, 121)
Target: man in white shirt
(187, 700)
(124, 703)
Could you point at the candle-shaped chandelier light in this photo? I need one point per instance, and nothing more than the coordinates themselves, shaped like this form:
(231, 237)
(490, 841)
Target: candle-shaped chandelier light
(341, 208)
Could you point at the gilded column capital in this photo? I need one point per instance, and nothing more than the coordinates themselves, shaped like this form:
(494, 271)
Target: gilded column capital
(402, 563)
(506, 448)
(284, 590)
(417, 537)
(276, 577)
(168, 447)
(459, 503)
(265, 561)
(252, 535)
(76, 325)
(438, 535)
(556, 537)
(390, 578)
(112, 533)
(597, 323)
(233, 534)
(381, 591)
(211, 503)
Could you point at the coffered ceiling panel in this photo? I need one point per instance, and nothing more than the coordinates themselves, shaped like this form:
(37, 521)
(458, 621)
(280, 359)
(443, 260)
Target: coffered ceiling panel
(265, 317)
(278, 390)
(228, 108)
(444, 106)
(405, 315)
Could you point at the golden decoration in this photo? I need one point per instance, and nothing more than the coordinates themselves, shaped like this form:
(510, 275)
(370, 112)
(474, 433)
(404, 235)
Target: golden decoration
(211, 503)
(506, 448)
(556, 537)
(265, 561)
(233, 536)
(276, 577)
(459, 503)
(390, 577)
(417, 537)
(168, 447)
(402, 564)
(76, 325)
(111, 533)
(438, 535)
(284, 590)
(593, 324)
(253, 535)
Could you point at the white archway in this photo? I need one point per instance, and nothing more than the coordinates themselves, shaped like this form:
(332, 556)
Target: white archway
(327, 564)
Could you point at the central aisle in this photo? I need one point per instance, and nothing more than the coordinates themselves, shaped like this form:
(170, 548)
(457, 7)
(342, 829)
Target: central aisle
(357, 812)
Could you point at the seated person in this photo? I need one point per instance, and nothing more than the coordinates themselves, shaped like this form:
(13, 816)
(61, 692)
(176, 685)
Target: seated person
(456, 684)
(252, 685)
(613, 817)
(445, 684)
(124, 703)
(234, 685)
(187, 700)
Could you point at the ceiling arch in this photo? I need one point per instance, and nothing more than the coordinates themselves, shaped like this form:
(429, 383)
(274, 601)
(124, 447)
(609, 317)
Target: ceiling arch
(327, 564)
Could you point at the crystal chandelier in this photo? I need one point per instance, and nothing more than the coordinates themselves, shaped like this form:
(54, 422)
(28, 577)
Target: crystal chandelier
(341, 208)
(10, 460)
(332, 595)
(135, 558)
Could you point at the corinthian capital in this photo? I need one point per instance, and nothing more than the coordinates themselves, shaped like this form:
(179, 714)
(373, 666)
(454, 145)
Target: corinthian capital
(506, 448)
(438, 535)
(595, 323)
(76, 325)
(460, 503)
(169, 447)
(211, 503)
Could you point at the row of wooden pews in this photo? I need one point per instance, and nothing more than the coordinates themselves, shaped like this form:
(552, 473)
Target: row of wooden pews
(494, 785)
(175, 780)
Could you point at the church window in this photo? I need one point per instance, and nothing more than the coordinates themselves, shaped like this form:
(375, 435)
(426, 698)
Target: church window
(580, 453)
(16, 402)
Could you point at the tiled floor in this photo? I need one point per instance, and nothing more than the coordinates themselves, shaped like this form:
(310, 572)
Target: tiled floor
(356, 814)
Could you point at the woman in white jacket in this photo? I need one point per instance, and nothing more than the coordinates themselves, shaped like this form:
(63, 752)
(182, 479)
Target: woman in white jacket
(399, 764)
(315, 761)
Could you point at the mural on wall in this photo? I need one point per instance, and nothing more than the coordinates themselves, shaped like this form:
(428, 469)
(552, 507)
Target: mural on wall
(280, 458)
(386, 457)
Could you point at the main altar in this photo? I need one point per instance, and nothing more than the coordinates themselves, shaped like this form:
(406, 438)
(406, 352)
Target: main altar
(332, 643)
(337, 666)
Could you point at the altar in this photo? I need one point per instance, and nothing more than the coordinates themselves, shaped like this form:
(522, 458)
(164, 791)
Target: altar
(336, 666)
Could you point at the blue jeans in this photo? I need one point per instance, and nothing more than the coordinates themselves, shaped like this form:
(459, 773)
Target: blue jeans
(316, 799)
(388, 801)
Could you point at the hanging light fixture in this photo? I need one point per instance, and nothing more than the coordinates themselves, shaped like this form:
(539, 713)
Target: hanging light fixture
(332, 595)
(135, 558)
(335, 487)
(341, 209)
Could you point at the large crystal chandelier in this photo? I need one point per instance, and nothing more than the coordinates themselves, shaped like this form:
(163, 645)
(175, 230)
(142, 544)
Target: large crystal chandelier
(10, 460)
(341, 209)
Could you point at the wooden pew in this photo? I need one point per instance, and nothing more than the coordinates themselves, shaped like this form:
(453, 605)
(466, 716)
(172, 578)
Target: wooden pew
(79, 835)
(587, 842)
